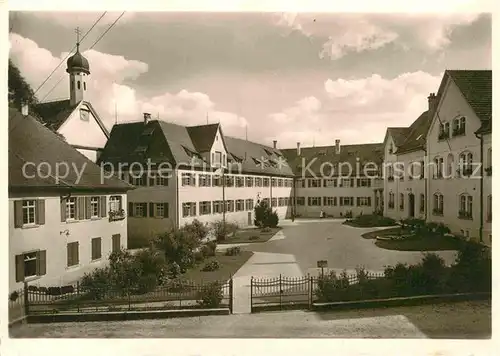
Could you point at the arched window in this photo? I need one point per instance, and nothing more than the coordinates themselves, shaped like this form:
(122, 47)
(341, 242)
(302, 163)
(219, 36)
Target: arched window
(78, 85)
(465, 164)
(391, 200)
(459, 126)
(401, 201)
(450, 163)
(438, 167)
(438, 204)
(422, 203)
(390, 172)
(465, 206)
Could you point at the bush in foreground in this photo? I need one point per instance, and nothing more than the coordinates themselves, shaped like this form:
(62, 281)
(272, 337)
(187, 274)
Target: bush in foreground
(211, 295)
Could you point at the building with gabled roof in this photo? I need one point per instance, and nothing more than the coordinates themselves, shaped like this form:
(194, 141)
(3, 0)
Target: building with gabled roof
(65, 217)
(193, 172)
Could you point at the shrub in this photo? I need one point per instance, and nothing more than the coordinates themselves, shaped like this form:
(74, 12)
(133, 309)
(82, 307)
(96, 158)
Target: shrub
(199, 256)
(13, 296)
(174, 270)
(233, 251)
(472, 270)
(54, 291)
(197, 230)
(96, 283)
(273, 220)
(176, 285)
(211, 266)
(372, 221)
(254, 237)
(221, 229)
(178, 246)
(151, 262)
(266, 230)
(33, 288)
(348, 214)
(212, 247)
(67, 289)
(265, 216)
(210, 296)
(125, 271)
(147, 283)
(42, 289)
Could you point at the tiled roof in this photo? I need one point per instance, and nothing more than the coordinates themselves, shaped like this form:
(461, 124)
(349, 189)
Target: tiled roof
(203, 136)
(476, 87)
(30, 141)
(324, 157)
(416, 134)
(54, 113)
(173, 143)
(398, 134)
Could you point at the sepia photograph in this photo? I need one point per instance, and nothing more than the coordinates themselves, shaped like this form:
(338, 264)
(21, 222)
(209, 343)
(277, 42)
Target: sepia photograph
(249, 175)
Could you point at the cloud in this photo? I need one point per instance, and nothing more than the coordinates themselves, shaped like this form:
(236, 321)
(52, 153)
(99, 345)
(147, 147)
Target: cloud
(355, 33)
(83, 19)
(355, 110)
(108, 85)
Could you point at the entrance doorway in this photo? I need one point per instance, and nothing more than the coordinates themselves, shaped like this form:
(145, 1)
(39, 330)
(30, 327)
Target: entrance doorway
(411, 205)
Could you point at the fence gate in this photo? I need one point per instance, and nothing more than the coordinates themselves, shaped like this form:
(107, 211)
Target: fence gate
(280, 293)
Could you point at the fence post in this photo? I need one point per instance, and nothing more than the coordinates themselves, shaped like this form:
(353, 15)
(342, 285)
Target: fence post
(310, 292)
(26, 299)
(78, 296)
(251, 294)
(231, 295)
(281, 293)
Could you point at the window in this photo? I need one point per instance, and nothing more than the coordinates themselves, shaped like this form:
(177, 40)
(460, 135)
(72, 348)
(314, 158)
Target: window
(71, 208)
(450, 165)
(29, 208)
(346, 201)
(116, 244)
(465, 168)
(266, 201)
(459, 126)
(438, 168)
(216, 181)
(265, 182)
(78, 85)
(444, 131)
(346, 182)
(329, 183)
(204, 180)
(84, 85)
(240, 205)
(301, 183)
(314, 183)
(161, 210)
(364, 182)
(188, 209)
(218, 156)
(391, 201)
(229, 206)
(489, 209)
(422, 203)
(390, 173)
(94, 207)
(139, 209)
(249, 204)
(281, 201)
(422, 169)
(205, 207)
(401, 201)
(465, 209)
(217, 206)
(249, 181)
(274, 202)
(258, 182)
(300, 200)
(240, 182)
(188, 179)
(72, 254)
(280, 182)
(364, 201)
(329, 201)
(229, 181)
(30, 264)
(96, 248)
(314, 201)
(438, 204)
(273, 182)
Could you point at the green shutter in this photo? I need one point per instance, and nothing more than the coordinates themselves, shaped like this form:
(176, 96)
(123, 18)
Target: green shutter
(80, 209)
(88, 208)
(63, 210)
(369, 201)
(165, 210)
(40, 212)
(19, 268)
(103, 209)
(69, 255)
(130, 209)
(18, 215)
(144, 210)
(151, 210)
(41, 260)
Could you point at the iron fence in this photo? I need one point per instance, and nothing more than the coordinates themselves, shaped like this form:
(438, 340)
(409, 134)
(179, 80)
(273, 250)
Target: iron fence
(301, 292)
(174, 295)
(17, 309)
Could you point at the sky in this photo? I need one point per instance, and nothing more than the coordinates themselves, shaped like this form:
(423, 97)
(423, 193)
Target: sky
(308, 77)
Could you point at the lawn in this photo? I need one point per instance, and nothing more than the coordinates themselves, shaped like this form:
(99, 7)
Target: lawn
(229, 265)
(370, 221)
(420, 243)
(251, 235)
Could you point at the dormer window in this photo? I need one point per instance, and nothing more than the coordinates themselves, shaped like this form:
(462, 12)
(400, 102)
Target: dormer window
(84, 114)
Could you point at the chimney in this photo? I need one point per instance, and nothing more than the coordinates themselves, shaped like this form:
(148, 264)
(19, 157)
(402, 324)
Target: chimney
(147, 117)
(25, 109)
(432, 101)
(298, 148)
(275, 143)
(337, 146)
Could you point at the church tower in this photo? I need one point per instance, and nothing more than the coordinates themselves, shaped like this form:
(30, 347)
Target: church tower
(78, 69)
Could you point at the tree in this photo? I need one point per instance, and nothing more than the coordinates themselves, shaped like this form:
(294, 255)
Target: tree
(179, 246)
(264, 215)
(19, 90)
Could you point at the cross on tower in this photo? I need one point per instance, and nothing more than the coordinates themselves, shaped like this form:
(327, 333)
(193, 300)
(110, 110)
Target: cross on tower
(78, 32)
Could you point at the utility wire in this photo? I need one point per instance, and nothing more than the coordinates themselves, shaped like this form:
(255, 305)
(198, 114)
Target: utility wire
(93, 45)
(70, 52)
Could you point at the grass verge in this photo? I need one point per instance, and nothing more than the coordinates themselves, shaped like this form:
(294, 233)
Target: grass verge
(251, 236)
(229, 265)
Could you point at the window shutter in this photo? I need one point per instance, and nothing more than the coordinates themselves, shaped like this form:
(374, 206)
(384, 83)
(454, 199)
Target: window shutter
(88, 211)
(144, 210)
(152, 181)
(69, 255)
(80, 208)
(352, 182)
(103, 211)
(341, 201)
(357, 201)
(63, 210)
(19, 268)
(76, 251)
(165, 210)
(144, 181)
(352, 201)
(18, 215)
(99, 247)
(324, 200)
(40, 212)
(335, 201)
(152, 210)
(130, 209)
(369, 201)
(41, 260)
